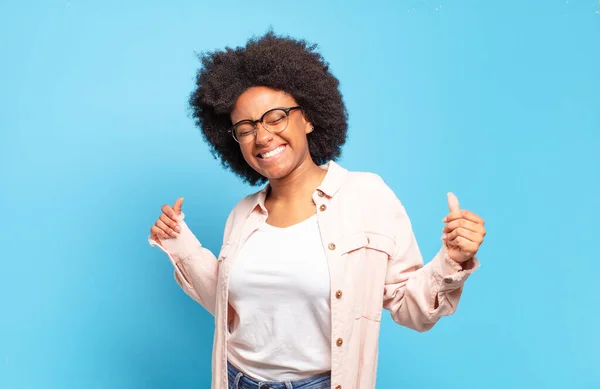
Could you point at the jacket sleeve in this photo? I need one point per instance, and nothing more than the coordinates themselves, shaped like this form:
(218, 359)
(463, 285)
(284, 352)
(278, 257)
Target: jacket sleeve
(196, 267)
(418, 295)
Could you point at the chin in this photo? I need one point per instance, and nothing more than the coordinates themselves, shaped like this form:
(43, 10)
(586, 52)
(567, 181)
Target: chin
(274, 172)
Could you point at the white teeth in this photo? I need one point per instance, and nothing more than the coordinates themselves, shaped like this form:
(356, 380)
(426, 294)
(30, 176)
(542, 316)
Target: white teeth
(273, 152)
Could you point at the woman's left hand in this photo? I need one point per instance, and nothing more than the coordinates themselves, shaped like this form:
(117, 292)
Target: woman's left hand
(463, 233)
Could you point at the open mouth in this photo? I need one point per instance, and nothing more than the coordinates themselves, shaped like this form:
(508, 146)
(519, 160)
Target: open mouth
(273, 153)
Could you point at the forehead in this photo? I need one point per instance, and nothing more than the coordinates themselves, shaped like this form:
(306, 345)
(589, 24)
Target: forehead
(257, 100)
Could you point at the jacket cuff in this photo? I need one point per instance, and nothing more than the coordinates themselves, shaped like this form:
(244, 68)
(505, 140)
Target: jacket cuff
(179, 249)
(451, 274)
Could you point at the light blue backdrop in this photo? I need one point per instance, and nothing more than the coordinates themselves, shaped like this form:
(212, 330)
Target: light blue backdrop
(496, 101)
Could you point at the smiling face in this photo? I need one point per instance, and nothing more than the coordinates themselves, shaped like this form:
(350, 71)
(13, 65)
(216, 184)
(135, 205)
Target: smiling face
(273, 155)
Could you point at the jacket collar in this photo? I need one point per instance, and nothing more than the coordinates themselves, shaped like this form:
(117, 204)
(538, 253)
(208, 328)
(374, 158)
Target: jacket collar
(334, 179)
(332, 182)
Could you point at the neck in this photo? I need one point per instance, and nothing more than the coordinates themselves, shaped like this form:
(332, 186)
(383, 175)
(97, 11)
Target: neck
(298, 185)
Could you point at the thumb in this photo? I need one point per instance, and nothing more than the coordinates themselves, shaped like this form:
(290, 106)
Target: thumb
(453, 204)
(177, 205)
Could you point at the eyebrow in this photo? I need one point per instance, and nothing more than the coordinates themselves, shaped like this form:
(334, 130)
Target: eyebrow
(263, 114)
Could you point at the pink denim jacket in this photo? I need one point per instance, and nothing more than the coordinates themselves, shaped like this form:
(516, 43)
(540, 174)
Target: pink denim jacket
(374, 263)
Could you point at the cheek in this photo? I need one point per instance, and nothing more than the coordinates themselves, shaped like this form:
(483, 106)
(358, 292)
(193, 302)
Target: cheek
(300, 138)
(246, 151)
(297, 134)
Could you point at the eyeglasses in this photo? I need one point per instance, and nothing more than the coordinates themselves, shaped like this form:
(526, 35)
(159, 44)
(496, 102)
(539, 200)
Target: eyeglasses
(274, 120)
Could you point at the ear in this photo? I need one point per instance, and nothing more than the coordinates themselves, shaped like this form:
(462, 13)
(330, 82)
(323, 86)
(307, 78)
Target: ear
(308, 128)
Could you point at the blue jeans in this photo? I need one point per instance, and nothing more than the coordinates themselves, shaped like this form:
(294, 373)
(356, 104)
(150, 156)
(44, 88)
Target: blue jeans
(237, 380)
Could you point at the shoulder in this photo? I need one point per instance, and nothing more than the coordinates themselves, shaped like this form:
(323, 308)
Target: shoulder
(370, 187)
(369, 179)
(368, 200)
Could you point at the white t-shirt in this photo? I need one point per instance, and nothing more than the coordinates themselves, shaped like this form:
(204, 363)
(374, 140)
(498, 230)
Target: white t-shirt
(279, 287)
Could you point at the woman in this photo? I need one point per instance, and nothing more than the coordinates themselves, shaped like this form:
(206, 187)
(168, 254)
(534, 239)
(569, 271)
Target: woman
(308, 262)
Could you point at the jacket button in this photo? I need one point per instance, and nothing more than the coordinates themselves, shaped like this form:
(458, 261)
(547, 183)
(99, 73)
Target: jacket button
(339, 342)
(323, 207)
(331, 246)
(338, 294)
(320, 193)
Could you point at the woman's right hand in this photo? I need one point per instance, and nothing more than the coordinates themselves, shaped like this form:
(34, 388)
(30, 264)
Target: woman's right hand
(167, 227)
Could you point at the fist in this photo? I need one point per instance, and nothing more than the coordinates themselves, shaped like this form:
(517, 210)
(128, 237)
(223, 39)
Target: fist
(167, 227)
(463, 233)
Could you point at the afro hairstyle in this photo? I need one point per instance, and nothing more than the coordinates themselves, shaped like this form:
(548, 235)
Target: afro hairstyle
(280, 63)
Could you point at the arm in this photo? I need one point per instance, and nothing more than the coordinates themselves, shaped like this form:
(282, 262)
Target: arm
(196, 268)
(418, 295)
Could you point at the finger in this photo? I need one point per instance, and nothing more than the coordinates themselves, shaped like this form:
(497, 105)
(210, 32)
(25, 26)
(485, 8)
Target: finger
(453, 204)
(471, 216)
(463, 223)
(167, 210)
(463, 214)
(461, 232)
(173, 224)
(177, 205)
(169, 233)
(463, 244)
(166, 228)
(155, 237)
(158, 232)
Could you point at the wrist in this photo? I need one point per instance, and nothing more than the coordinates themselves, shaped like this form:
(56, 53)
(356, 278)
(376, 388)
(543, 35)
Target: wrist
(466, 265)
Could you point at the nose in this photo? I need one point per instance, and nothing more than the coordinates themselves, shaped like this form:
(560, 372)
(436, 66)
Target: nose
(263, 136)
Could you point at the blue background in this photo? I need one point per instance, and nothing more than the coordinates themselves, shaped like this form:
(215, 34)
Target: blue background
(496, 101)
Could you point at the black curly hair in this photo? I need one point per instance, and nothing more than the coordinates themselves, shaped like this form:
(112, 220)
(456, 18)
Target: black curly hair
(280, 63)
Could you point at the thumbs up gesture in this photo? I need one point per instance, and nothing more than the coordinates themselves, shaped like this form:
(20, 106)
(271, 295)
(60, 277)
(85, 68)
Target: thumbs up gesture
(167, 224)
(463, 233)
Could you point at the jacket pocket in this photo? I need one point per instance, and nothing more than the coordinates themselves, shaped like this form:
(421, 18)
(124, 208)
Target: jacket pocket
(381, 243)
(353, 242)
(366, 256)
